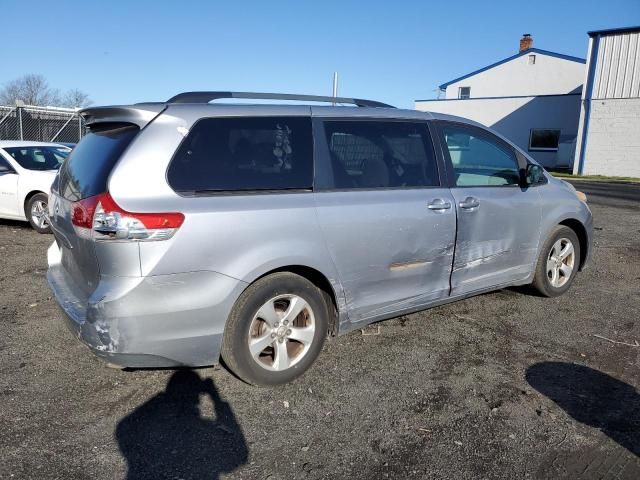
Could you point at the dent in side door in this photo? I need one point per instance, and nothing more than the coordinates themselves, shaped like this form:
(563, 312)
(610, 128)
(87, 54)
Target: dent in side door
(496, 243)
(392, 253)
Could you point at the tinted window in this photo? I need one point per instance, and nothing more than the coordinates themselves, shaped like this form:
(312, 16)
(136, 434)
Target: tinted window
(236, 154)
(86, 171)
(479, 158)
(39, 158)
(544, 139)
(379, 154)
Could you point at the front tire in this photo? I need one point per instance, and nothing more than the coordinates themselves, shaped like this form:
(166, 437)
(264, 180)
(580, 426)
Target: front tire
(558, 262)
(275, 330)
(36, 212)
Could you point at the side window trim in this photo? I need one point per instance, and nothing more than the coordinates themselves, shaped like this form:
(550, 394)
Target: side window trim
(323, 168)
(439, 124)
(6, 162)
(441, 155)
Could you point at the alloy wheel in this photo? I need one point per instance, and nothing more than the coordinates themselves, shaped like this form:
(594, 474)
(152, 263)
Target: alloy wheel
(281, 332)
(39, 214)
(560, 262)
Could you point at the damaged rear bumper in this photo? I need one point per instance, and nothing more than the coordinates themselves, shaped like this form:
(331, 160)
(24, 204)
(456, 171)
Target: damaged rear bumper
(157, 321)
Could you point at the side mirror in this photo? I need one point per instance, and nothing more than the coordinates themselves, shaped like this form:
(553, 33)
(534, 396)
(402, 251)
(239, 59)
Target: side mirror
(533, 174)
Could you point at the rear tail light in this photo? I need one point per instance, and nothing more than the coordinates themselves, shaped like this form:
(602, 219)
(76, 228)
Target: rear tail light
(100, 218)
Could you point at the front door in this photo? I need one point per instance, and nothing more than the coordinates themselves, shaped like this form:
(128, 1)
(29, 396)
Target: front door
(498, 221)
(8, 189)
(387, 221)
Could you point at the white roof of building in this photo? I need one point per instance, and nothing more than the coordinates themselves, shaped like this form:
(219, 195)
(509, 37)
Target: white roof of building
(513, 57)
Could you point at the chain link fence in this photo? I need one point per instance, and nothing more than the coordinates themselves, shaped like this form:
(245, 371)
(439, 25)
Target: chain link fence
(43, 124)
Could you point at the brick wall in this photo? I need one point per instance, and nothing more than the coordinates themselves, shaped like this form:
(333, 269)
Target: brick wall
(613, 138)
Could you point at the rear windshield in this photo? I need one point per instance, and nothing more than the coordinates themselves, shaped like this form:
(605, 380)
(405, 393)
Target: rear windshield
(244, 154)
(86, 171)
(39, 158)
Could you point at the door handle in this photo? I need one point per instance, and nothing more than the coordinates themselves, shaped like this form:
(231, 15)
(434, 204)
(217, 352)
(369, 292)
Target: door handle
(439, 204)
(469, 203)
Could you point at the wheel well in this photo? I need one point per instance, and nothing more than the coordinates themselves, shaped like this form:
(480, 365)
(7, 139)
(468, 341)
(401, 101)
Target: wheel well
(319, 280)
(27, 198)
(581, 232)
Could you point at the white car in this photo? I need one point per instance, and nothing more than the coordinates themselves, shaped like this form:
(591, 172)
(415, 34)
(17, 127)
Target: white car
(27, 170)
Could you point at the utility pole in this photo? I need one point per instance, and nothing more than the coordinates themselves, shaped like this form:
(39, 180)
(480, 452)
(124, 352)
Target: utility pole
(335, 85)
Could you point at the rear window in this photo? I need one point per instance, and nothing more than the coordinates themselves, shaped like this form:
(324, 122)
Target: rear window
(244, 154)
(86, 171)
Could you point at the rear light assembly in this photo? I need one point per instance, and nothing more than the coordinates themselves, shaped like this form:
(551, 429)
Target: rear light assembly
(100, 218)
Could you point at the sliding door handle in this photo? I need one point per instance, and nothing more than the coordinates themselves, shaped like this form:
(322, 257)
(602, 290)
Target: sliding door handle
(439, 204)
(469, 203)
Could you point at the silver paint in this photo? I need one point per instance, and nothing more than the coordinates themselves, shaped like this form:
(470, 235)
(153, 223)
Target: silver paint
(384, 252)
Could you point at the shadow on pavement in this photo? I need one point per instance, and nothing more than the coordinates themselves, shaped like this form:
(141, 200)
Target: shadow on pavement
(169, 437)
(15, 224)
(593, 398)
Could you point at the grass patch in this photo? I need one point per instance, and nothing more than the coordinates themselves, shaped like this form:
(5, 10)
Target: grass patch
(595, 177)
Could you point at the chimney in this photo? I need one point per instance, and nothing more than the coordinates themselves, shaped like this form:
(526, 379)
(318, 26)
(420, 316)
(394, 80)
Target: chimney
(526, 42)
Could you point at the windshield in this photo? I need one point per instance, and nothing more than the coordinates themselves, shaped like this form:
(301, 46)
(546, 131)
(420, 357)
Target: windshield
(39, 158)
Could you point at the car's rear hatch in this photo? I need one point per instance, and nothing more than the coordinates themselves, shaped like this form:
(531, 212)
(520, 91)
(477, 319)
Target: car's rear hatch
(85, 174)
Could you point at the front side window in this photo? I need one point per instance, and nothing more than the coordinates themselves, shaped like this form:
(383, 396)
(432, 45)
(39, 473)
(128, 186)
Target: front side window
(39, 158)
(464, 93)
(479, 159)
(244, 154)
(379, 154)
(544, 139)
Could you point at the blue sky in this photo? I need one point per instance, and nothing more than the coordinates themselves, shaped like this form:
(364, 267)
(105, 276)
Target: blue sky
(392, 51)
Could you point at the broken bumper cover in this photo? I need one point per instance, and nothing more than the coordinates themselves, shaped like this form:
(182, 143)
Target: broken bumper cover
(147, 322)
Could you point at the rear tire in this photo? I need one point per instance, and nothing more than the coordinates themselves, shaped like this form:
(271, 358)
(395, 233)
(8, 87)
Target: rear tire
(558, 262)
(36, 212)
(275, 330)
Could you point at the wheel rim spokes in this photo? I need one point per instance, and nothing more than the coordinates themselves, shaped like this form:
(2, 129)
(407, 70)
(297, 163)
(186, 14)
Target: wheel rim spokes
(560, 262)
(566, 250)
(281, 359)
(39, 214)
(281, 332)
(303, 334)
(268, 313)
(257, 345)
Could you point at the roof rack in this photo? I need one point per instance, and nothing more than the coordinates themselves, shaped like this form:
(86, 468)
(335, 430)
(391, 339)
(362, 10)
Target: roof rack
(206, 97)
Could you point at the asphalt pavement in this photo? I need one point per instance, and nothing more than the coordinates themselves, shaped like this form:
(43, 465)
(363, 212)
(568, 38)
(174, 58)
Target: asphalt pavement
(503, 385)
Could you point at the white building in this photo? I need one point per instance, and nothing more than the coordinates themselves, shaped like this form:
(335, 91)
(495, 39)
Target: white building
(609, 133)
(532, 98)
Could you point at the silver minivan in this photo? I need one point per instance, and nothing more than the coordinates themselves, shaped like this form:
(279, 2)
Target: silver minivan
(188, 231)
